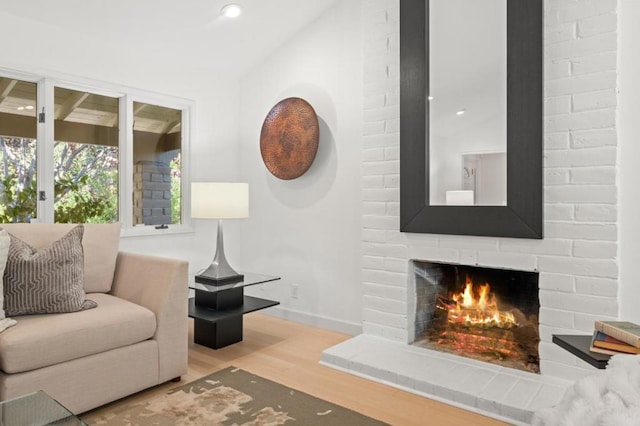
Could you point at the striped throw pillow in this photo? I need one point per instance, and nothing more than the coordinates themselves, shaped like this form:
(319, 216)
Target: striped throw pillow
(47, 280)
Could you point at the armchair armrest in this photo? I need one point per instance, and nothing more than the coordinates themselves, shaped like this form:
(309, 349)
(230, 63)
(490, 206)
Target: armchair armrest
(161, 285)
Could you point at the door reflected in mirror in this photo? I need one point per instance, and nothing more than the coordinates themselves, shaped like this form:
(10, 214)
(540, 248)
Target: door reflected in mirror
(467, 102)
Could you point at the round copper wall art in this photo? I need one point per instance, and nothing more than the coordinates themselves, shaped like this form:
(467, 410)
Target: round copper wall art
(289, 138)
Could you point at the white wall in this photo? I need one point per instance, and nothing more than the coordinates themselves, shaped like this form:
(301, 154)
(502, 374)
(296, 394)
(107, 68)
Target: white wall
(629, 82)
(307, 230)
(36, 48)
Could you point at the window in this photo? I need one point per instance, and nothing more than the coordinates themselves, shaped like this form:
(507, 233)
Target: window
(85, 157)
(157, 140)
(18, 166)
(102, 154)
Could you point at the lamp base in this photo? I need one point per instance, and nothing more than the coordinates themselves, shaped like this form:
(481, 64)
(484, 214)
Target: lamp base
(219, 272)
(205, 279)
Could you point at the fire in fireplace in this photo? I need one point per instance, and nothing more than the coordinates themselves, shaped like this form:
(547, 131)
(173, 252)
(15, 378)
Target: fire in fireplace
(482, 313)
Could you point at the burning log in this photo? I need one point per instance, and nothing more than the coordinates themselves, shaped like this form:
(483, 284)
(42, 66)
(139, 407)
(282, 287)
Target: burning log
(499, 347)
(475, 308)
(471, 323)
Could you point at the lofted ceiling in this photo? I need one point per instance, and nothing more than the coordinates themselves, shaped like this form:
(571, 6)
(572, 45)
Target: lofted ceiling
(187, 29)
(183, 29)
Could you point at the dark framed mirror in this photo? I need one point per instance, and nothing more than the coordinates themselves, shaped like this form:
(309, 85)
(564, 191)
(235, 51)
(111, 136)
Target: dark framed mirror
(521, 216)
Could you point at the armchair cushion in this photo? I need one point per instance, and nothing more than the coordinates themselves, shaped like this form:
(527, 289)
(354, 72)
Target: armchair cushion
(42, 340)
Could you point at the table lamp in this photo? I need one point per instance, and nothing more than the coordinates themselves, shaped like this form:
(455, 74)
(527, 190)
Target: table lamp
(218, 200)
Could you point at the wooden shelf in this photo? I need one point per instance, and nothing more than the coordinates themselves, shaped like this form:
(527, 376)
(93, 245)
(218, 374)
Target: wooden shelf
(579, 346)
(251, 304)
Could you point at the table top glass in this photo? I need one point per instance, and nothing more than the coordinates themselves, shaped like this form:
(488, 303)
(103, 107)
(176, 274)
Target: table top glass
(36, 409)
(249, 280)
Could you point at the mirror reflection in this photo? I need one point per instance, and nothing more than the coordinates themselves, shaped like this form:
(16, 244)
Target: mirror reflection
(467, 102)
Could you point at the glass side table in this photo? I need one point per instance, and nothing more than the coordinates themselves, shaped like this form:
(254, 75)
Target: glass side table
(217, 310)
(36, 409)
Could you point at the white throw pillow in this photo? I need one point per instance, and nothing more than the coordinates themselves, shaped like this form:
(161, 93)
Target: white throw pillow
(5, 242)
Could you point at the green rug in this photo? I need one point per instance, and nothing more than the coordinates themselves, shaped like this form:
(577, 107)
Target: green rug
(234, 397)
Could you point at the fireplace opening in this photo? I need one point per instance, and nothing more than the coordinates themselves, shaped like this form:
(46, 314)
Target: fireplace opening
(486, 314)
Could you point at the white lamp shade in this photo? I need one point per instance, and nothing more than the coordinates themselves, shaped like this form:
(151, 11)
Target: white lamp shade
(219, 200)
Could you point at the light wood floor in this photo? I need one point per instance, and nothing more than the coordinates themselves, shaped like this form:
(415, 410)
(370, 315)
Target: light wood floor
(288, 353)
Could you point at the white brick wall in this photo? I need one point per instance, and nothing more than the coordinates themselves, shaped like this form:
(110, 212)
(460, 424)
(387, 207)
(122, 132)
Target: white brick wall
(577, 260)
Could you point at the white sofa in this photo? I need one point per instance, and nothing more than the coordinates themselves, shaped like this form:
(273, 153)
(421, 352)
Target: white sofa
(136, 338)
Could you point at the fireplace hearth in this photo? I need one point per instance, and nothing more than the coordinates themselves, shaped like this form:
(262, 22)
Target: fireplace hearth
(481, 313)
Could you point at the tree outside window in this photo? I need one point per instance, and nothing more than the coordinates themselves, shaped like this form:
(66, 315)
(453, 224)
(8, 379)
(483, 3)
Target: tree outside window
(85, 181)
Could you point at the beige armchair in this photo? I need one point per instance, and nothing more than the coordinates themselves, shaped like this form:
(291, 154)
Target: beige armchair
(136, 338)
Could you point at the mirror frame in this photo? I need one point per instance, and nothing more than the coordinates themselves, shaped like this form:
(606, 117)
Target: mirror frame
(522, 217)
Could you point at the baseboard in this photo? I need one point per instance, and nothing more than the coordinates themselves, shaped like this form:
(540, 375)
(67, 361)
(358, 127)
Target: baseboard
(333, 324)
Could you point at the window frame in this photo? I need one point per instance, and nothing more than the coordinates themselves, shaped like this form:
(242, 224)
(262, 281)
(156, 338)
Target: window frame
(126, 203)
(46, 83)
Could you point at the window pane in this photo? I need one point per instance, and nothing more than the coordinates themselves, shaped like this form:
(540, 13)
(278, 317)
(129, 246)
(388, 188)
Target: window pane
(85, 157)
(18, 127)
(157, 140)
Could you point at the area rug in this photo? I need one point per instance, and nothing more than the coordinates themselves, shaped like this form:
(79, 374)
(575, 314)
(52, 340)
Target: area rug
(234, 397)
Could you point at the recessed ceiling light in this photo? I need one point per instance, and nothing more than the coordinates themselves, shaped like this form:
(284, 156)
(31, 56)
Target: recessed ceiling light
(430, 98)
(29, 107)
(20, 108)
(231, 10)
(461, 112)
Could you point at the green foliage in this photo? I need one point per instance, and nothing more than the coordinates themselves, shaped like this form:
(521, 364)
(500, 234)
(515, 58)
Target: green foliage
(17, 178)
(18, 204)
(85, 182)
(176, 182)
(79, 205)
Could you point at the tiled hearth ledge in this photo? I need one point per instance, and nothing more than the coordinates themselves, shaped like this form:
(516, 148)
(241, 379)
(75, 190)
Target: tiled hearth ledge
(502, 393)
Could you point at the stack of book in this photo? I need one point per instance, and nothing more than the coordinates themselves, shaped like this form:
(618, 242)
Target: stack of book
(616, 337)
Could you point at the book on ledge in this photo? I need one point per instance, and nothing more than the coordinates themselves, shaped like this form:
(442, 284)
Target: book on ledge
(610, 345)
(626, 331)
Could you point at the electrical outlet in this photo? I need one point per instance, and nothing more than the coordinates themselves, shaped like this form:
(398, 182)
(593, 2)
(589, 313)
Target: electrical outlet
(294, 291)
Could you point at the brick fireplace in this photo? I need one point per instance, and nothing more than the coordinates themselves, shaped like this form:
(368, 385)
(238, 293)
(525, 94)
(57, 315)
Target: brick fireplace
(487, 314)
(576, 262)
